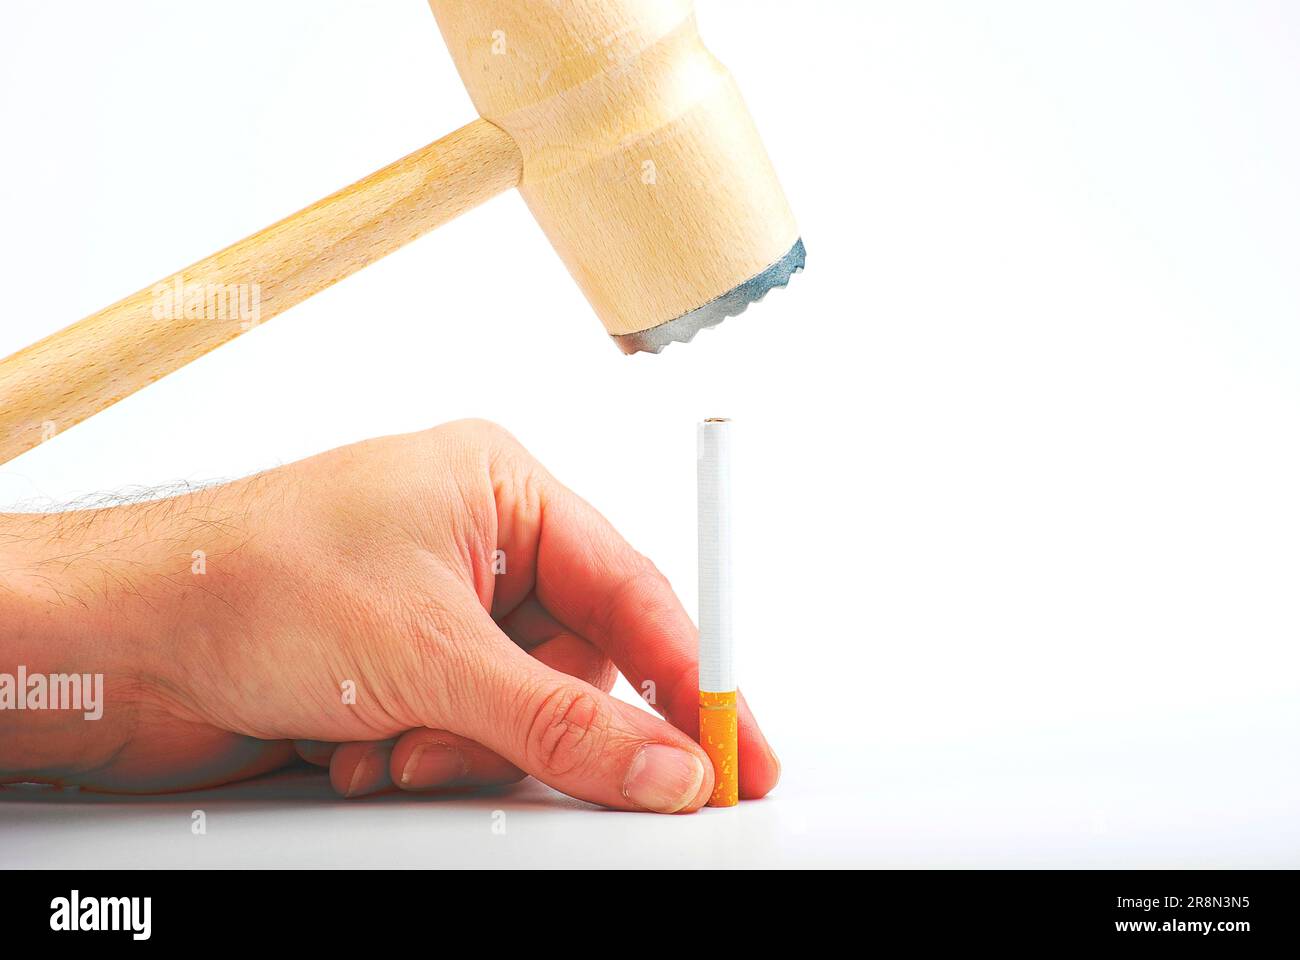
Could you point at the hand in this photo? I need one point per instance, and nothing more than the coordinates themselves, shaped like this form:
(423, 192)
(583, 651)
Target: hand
(234, 624)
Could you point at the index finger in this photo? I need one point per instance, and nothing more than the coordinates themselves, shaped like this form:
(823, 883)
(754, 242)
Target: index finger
(592, 581)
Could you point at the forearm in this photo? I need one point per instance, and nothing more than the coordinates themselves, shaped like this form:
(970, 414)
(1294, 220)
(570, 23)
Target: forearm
(89, 607)
(49, 731)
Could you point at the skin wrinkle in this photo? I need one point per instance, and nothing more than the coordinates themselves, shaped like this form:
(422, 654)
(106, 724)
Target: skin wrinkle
(482, 528)
(568, 728)
(517, 502)
(365, 564)
(445, 660)
(413, 709)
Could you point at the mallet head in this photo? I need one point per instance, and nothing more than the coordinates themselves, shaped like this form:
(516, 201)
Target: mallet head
(640, 160)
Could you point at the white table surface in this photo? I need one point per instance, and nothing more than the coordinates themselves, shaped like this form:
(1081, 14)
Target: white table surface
(1031, 802)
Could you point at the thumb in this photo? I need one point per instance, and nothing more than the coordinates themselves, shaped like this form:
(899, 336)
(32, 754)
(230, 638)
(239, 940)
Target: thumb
(576, 738)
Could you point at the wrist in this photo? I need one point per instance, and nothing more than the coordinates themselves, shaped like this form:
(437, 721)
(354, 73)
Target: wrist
(55, 720)
(87, 614)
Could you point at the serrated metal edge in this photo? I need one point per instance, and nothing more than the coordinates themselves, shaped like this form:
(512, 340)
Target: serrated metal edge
(731, 304)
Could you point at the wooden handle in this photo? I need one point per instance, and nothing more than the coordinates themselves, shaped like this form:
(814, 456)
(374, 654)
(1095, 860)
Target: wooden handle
(75, 373)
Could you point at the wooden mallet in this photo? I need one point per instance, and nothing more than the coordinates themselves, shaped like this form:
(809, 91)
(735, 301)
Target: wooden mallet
(628, 140)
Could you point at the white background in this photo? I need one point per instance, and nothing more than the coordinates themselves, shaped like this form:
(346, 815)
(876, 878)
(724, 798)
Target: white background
(1018, 455)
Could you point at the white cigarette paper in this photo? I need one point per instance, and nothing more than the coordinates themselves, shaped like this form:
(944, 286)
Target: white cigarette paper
(717, 674)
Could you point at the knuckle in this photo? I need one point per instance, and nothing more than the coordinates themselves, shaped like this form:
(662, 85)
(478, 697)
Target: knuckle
(478, 432)
(567, 732)
(519, 496)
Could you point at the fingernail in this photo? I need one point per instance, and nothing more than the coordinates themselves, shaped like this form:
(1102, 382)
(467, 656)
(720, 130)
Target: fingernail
(432, 764)
(663, 778)
(367, 776)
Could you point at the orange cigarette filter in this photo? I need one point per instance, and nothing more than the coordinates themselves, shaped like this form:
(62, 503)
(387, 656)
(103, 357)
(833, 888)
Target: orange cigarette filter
(720, 740)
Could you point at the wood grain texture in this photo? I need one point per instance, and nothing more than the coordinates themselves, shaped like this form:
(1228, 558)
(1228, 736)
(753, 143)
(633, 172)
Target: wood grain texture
(92, 364)
(641, 161)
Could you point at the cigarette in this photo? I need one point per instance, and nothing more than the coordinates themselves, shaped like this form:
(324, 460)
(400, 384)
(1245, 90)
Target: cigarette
(718, 728)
